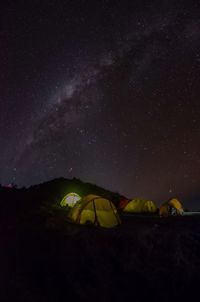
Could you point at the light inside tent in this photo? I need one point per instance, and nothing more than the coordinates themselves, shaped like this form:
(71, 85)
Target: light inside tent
(70, 199)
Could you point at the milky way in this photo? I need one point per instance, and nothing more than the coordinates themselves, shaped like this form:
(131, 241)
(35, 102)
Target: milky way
(107, 92)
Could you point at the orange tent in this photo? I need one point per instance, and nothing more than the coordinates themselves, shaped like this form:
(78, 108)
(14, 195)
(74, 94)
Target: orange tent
(171, 207)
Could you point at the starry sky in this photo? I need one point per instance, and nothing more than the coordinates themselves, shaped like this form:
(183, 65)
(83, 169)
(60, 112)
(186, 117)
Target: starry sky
(105, 91)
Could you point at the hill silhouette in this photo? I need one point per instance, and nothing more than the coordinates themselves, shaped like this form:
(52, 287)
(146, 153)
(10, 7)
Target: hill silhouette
(54, 190)
(48, 195)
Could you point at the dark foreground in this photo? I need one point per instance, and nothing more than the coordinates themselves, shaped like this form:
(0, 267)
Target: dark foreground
(45, 258)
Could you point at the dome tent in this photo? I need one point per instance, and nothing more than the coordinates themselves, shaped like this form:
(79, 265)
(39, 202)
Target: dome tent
(140, 206)
(171, 207)
(95, 210)
(70, 199)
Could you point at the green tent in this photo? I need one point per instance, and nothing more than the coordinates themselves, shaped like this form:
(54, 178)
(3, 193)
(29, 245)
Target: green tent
(140, 206)
(70, 199)
(95, 210)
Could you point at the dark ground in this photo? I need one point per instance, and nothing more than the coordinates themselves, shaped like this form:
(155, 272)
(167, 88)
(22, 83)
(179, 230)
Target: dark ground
(45, 258)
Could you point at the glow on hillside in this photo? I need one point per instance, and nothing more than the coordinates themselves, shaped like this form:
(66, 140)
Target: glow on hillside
(70, 199)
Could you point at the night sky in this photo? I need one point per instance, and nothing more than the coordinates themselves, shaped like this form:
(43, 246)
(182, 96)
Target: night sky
(105, 91)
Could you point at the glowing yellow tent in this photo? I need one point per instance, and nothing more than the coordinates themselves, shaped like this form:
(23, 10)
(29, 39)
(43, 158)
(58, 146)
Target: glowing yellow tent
(140, 206)
(95, 210)
(70, 199)
(171, 207)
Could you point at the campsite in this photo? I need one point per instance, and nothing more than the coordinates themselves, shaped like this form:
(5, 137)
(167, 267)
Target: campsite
(47, 257)
(99, 151)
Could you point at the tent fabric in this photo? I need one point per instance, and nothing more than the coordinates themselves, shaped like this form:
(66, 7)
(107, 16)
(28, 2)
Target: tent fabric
(140, 206)
(123, 203)
(95, 210)
(164, 209)
(70, 199)
(171, 207)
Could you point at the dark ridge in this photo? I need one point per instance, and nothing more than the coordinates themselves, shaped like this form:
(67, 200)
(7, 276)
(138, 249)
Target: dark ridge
(53, 191)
